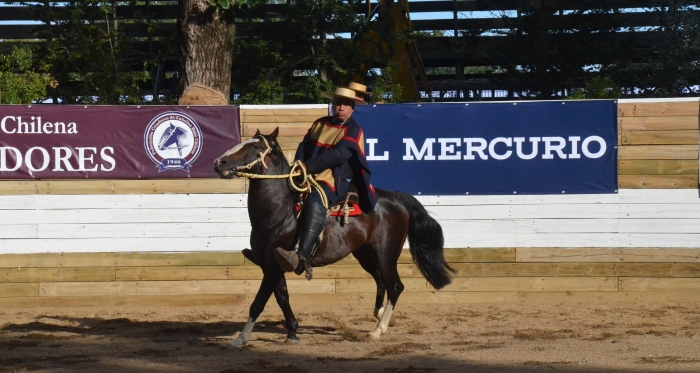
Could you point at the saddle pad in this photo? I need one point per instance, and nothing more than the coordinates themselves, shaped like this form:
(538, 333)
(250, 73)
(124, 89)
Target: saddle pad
(337, 209)
(353, 207)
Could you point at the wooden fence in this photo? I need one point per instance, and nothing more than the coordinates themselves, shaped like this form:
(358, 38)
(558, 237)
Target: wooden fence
(101, 242)
(658, 144)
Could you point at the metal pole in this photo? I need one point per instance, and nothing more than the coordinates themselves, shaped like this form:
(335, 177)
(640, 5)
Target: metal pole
(458, 73)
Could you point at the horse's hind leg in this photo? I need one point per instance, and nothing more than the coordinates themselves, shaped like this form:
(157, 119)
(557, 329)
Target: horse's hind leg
(282, 296)
(269, 282)
(365, 256)
(394, 287)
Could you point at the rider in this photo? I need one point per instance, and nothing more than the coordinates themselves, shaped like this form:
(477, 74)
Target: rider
(360, 90)
(333, 152)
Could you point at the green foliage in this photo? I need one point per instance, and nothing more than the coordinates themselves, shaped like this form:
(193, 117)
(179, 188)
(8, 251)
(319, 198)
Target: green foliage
(598, 88)
(384, 90)
(440, 71)
(549, 48)
(227, 4)
(543, 51)
(293, 60)
(304, 91)
(672, 67)
(300, 91)
(89, 55)
(301, 54)
(267, 91)
(20, 81)
(482, 70)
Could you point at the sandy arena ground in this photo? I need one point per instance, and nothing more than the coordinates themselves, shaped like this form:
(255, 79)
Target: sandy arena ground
(499, 337)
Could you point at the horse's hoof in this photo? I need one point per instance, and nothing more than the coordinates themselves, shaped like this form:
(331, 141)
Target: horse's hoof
(291, 341)
(238, 343)
(374, 335)
(392, 322)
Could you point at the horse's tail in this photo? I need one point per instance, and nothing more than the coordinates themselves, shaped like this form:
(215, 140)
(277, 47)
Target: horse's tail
(426, 243)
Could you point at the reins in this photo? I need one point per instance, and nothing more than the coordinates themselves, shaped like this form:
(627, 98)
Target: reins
(307, 181)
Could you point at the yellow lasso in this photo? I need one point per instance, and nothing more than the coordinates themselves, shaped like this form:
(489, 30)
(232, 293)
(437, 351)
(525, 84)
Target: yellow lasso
(306, 183)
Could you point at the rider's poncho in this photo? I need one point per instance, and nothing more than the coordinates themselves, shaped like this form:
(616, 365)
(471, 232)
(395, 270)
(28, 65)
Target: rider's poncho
(333, 152)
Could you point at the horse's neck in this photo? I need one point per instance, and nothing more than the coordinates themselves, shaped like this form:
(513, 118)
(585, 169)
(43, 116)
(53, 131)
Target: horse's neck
(271, 201)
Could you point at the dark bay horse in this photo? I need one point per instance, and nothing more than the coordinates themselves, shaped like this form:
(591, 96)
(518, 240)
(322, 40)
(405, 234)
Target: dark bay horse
(375, 239)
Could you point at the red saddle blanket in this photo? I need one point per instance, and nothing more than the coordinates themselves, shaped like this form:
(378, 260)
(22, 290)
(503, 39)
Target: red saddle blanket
(354, 210)
(337, 208)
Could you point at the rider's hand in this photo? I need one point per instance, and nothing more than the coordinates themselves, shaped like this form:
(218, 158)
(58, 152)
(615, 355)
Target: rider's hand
(300, 164)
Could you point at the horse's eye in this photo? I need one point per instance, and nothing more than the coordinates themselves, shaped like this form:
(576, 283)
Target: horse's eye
(255, 147)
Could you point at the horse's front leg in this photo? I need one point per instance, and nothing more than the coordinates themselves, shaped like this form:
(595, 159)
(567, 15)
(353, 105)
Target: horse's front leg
(269, 282)
(282, 296)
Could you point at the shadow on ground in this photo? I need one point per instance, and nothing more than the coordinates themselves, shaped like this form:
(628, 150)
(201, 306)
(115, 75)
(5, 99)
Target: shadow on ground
(64, 344)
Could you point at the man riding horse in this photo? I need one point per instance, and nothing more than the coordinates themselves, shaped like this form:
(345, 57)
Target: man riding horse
(333, 152)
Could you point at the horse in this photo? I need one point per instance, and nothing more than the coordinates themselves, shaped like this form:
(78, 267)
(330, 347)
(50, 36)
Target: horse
(173, 137)
(375, 239)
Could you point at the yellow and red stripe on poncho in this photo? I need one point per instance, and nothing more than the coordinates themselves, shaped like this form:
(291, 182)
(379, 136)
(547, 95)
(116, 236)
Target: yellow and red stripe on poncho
(327, 139)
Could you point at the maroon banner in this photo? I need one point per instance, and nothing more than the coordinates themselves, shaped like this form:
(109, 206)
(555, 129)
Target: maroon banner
(124, 142)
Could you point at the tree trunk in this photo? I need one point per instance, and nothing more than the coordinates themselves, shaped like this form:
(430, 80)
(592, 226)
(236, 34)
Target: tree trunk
(206, 38)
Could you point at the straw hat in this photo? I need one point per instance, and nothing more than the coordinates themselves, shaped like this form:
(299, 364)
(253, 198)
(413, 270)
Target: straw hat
(359, 88)
(344, 93)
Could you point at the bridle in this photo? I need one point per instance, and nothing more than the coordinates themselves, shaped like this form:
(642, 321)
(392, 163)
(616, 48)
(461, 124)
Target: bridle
(260, 159)
(307, 181)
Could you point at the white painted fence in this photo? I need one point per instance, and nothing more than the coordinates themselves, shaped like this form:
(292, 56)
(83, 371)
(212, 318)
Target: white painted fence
(219, 222)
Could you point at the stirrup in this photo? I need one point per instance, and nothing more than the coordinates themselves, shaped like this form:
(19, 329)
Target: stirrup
(303, 266)
(309, 271)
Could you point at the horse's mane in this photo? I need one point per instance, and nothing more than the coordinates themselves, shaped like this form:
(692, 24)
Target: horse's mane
(277, 151)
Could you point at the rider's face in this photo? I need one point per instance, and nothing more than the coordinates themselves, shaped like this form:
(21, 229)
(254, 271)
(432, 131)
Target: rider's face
(342, 109)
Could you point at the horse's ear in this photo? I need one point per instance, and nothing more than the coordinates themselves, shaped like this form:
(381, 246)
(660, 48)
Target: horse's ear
(274, 133)
(257, 132)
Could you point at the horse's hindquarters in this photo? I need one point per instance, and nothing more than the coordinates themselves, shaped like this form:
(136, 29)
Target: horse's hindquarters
(384, 229)
(340, 240)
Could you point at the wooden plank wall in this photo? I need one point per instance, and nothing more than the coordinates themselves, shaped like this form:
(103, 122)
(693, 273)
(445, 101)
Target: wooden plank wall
(658, 144)
(292, 123)
(225, 278)
(176, 242)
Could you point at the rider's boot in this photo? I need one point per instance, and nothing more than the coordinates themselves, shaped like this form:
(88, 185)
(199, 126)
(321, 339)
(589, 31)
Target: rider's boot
(313, 222)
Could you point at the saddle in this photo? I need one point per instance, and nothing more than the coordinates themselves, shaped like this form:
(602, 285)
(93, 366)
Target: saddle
(348, 205)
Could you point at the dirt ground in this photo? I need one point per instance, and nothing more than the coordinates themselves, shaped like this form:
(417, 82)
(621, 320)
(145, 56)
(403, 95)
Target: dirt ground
(496, 337)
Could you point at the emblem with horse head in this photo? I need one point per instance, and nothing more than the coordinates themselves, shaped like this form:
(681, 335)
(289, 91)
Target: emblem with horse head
(375, 239)
(173, 137)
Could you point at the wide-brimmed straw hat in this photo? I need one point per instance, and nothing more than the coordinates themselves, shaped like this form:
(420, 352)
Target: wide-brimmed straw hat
(359, 88)
(344, 93)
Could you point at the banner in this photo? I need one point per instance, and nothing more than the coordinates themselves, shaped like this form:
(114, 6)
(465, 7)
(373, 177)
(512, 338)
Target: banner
(125, 142)
(492, 148)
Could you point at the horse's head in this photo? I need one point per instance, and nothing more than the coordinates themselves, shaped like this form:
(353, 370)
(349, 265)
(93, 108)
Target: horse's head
(251, 156)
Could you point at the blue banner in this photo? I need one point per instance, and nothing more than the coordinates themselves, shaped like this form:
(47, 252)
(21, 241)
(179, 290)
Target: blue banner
(550, 147)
